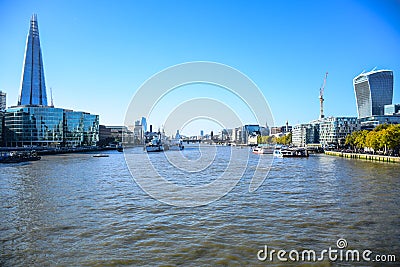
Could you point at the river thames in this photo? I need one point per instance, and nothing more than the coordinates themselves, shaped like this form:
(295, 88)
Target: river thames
(75, 209)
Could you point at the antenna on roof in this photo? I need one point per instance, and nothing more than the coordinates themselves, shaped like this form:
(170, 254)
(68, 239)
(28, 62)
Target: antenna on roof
(51, 97)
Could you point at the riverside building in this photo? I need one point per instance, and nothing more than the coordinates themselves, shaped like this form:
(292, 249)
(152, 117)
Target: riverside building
(326, 131)
(333, 130)
(33, 122)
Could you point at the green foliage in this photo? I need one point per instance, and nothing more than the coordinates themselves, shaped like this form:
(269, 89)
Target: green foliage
(265, 139)
(384, 136)
(381, 127)
(283, 140)
(373, 140)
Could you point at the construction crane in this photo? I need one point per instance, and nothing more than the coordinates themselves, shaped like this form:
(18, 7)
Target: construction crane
(321, 97)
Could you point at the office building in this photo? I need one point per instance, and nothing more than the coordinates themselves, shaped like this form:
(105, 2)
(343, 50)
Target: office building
(373, 91)
(325, 131)
(32, 122)
(80, 128)
(369, 123)
(333, 130)
(3, 101)
(306, 133)
(1, 128)
(34, 126)
(281, 130)
(392, 109)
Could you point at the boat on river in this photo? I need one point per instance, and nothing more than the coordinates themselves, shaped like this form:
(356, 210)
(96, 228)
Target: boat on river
(101, 156)
(262, 150)
(16, 157)
(175, 143)
(291, 153)
(155, 145)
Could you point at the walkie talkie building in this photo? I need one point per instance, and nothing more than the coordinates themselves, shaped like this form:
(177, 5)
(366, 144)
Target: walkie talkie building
(373, 91)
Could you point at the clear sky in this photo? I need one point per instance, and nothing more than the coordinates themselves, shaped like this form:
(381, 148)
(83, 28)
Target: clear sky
(97, 53)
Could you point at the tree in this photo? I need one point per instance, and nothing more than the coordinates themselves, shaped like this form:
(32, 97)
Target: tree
(284, 140)
(360, 138)
(350, 140)
(391, 137)
(381, 127)
(373, 140)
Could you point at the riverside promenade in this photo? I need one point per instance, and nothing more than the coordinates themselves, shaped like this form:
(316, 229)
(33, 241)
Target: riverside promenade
(364, 156)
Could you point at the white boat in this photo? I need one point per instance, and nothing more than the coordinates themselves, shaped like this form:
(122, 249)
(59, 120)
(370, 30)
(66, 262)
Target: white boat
(291, 153)
(278, 153)
(262, 150)
(101, 156)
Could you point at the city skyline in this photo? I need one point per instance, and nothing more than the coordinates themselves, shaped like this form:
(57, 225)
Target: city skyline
(284, 49)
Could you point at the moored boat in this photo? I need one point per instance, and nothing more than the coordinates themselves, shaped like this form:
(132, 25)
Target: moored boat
(16, 157)
(100, 155)
(291, 153)
(262, 150)
(155, 145)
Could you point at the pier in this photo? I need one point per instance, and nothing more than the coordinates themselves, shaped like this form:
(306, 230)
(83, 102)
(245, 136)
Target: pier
(381, 158)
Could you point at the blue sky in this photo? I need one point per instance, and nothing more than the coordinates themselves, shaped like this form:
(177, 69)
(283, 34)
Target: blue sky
(98, 53)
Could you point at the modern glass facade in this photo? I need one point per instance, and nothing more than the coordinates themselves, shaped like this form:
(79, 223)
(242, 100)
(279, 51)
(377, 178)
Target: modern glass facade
(73, 128)
(392, 109)
(90, 129)
(33, 126)
(33, 88)
(326, 131)
(370, 123)
(32, 122)
(1, 128)
(373, 91)
(333, 130)
(80, 129)
(50, 127)
(3, 101)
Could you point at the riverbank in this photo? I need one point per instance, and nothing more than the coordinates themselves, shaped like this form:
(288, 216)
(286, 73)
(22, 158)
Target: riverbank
(364, 156)
(55, 151)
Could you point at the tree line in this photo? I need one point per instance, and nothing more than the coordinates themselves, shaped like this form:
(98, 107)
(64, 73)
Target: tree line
(283, 140)
(384, 138)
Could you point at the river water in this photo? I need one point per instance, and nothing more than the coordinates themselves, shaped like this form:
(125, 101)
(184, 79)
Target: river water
(75, 209)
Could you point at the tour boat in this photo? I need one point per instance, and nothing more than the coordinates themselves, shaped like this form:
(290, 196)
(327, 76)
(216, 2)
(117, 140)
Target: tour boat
(101, 156)
(16, 157)
(262, 150)
(291, 153)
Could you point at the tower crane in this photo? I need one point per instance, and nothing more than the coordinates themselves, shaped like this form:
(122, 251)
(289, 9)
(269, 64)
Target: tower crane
(321, 97)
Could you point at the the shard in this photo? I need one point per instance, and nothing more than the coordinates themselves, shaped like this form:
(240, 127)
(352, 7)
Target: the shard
(33, 88)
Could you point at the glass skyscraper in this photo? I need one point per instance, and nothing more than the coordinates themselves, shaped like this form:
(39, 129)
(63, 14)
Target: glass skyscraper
(3, 101)
(33, 87)
(32, 122)
(373, 91)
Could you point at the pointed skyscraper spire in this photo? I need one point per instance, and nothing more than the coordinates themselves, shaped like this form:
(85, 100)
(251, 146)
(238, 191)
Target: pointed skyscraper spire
(33, 88)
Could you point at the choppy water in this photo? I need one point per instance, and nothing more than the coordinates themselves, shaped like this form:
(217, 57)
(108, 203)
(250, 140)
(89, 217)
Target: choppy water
(74, 210)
